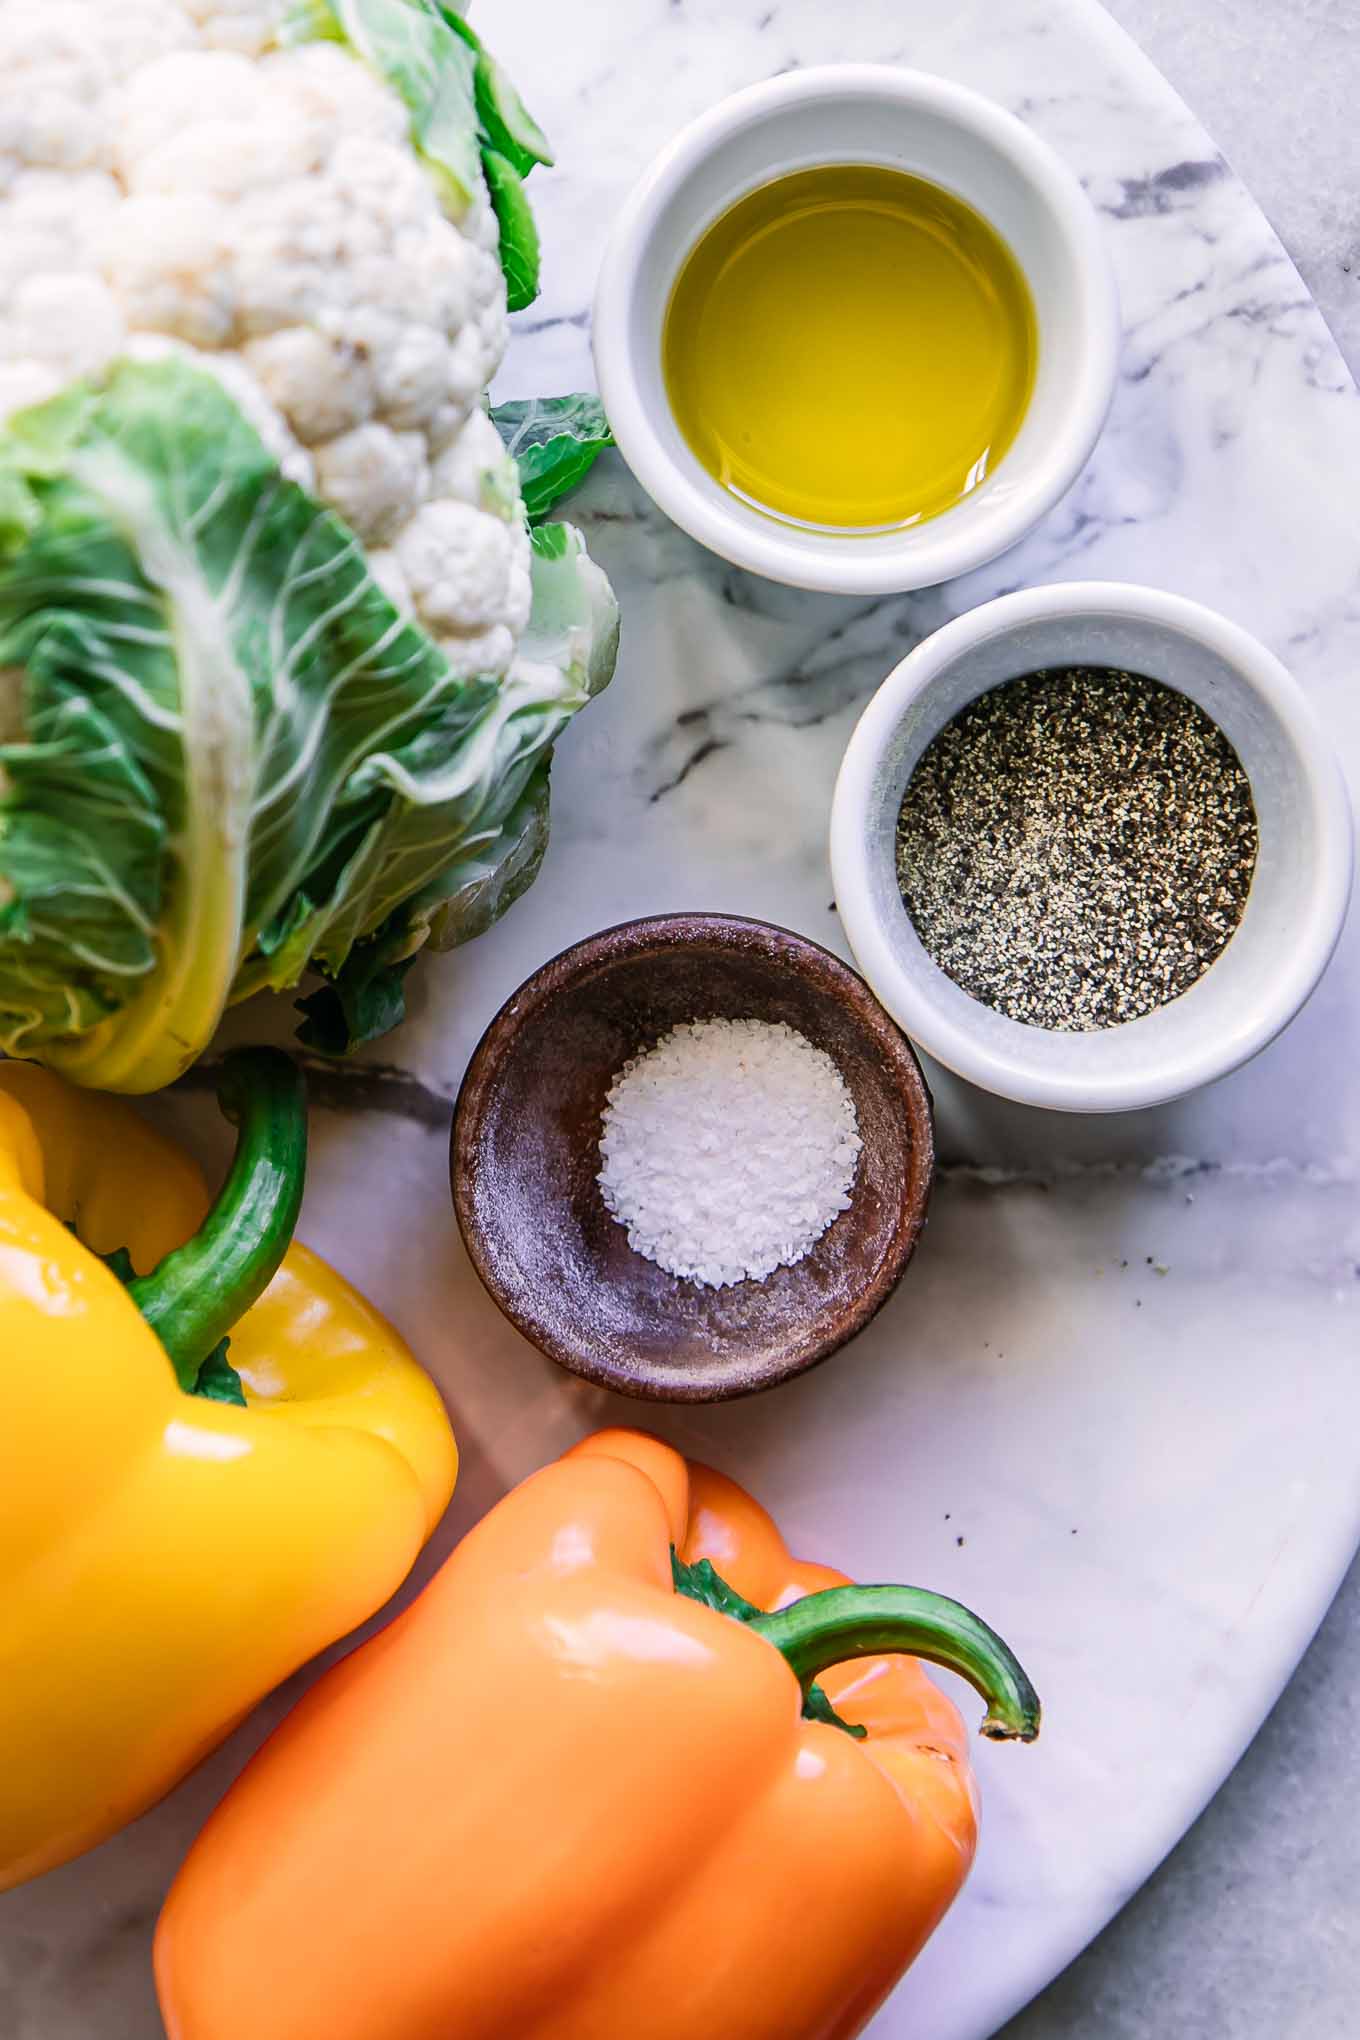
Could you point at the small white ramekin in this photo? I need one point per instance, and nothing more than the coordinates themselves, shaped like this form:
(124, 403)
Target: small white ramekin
(1298, 898)
(864, 113)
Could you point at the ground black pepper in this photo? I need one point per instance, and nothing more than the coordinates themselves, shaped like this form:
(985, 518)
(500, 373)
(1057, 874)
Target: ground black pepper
(1076, 847)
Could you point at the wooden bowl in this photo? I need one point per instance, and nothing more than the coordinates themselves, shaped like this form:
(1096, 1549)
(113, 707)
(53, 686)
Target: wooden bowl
(525, 1157)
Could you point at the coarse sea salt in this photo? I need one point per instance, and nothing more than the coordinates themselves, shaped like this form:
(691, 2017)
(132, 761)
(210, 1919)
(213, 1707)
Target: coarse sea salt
(728, 1149)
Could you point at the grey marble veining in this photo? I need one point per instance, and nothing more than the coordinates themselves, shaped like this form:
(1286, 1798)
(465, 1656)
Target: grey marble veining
(1154, 1474)
(1276, 86)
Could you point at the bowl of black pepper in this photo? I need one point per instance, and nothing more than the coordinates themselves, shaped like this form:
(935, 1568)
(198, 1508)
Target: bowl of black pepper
(1091, 846)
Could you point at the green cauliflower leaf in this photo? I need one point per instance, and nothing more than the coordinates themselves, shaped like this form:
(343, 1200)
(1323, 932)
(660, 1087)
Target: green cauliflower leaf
(236, 759)
(555, 441)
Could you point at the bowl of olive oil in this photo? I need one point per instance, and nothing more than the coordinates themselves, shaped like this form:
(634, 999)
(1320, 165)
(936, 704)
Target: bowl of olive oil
(857, 329)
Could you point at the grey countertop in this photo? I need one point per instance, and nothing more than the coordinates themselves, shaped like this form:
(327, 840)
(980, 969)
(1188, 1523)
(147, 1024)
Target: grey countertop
(1247, 1932)
(1276, 82)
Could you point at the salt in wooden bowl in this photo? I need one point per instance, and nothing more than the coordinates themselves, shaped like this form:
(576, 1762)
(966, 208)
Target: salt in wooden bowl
(525, 1157)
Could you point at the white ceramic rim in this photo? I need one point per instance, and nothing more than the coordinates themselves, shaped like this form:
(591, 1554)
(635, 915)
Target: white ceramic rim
(1009, 1076)
(939, 549)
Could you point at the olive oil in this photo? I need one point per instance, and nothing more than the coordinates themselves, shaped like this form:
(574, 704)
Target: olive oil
(850, 347)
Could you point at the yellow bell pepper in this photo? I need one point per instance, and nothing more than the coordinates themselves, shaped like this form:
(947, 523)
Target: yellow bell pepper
(165, 1560)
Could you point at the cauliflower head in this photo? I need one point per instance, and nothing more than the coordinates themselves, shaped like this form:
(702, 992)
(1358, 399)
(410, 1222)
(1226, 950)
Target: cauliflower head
(308, 208)
(177, 171)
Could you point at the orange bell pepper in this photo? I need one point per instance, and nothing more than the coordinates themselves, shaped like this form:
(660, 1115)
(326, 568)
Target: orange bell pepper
(559, 1798)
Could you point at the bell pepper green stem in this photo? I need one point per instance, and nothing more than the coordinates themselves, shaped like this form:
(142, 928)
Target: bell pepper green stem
(195, 1295)
(853, 1622)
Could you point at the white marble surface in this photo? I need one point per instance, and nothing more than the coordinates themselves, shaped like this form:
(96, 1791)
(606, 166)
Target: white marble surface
(1276, 86)
(1247, 1931)
(1147, 1479)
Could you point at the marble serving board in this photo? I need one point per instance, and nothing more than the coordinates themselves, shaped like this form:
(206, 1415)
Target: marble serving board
(1114, 1405)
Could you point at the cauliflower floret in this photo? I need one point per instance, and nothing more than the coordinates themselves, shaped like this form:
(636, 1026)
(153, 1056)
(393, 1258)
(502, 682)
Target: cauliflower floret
(171, 175)
(323, 387)
(52, 224)
(255, 132)
(159, 103)
(54, 83)
(375, 478)
(386, 570)
(333, 94)
(227, 157)
(73, 320)
(59, 60)
(469, 579)
(128, 37)
(164, 261)
(412, 374)
(246, 25)
(476, 468)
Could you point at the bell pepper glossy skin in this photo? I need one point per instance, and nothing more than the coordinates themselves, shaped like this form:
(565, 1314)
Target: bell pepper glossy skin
(165, 1560)
(557, 1800)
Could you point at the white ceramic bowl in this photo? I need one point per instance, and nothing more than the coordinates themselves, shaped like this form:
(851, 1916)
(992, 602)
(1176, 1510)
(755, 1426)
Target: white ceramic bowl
(863, 113)
(1298, 896)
